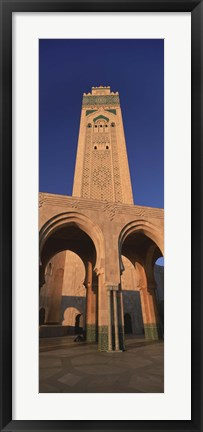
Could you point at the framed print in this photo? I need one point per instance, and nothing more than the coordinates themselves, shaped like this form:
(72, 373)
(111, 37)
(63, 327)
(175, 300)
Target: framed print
(101, 215)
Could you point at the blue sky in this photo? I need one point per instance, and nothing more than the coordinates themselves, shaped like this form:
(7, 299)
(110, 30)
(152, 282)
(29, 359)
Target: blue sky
(134, 68)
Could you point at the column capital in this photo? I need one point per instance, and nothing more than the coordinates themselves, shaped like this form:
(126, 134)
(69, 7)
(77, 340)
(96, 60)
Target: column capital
(99, 271)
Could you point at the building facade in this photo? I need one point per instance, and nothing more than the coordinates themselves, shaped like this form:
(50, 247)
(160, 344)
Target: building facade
(98, 249)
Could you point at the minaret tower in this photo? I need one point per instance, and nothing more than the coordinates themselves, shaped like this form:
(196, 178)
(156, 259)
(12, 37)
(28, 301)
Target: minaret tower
(101, 170)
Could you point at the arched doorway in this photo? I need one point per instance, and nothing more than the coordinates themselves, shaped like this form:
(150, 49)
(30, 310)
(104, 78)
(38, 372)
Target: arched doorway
(131, 296)
(71, 239)
(73, 320)
(143, 245)
(78, 324)
(127, 324)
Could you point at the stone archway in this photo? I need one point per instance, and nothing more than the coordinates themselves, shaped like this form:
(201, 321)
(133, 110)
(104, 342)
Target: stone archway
(145, 227)
(84, 224)
(71, 232)
(131, 296)
(78, 323)
(73, 320)
(142, 243)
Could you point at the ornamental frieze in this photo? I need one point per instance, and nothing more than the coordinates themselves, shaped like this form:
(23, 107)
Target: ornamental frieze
(110, 209)
(101, 100)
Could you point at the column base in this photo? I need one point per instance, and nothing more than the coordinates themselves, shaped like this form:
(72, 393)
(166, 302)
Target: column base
(91, 333)
(121, 338)
(103, 338)
(153, 331)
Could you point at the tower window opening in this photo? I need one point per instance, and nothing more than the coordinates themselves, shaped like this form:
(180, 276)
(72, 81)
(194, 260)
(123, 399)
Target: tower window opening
(96, 126)
(100, 125)
(95, 147)
(89, 125)
(106, 125)
(112, 124)
(107, 147)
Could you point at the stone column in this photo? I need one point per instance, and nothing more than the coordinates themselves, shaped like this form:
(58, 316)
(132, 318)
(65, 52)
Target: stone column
(90, 305)
(103, 322)
(109, 317)
(121, 326)
(110, 320)
(151, 320)
(115, 306)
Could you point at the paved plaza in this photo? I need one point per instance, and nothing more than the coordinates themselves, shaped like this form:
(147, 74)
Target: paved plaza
(69, 367)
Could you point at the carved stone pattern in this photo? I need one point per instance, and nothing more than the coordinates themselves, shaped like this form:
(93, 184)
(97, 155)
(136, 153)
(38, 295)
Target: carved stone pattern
(135, 211)
(101, 138)
(42, 199)
(87, 165)
(75, 204)
(116, 168)
(101, 181)
(101, 100)
(111, 210)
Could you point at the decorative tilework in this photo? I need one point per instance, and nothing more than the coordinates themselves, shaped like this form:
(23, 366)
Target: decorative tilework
(91, 334)
(90, 112)
(113, 111)
(116, 168)
(152, 331)
(100, 117)
(101, 100)
(103, 338)
(87, 165)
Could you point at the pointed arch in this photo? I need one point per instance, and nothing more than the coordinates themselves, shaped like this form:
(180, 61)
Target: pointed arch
(145, 227)
(83, 223)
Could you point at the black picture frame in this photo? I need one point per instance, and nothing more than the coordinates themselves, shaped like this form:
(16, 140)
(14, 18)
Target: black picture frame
(7, 8)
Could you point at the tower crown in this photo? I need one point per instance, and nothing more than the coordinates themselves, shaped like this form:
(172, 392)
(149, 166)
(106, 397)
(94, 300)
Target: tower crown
(102, 171)
(101, 90)
(101, 96)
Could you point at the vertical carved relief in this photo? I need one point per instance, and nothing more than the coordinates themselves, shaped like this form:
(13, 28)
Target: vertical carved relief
(87, 164)
(101, 180)
(101, 172)
(116, 168)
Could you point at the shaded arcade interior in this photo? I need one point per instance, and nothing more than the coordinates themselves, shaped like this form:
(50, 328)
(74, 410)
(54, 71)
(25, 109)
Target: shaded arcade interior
(70, 285)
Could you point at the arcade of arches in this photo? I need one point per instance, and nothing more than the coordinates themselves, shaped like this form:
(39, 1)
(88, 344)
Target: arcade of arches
(97, 249)
(98, 275)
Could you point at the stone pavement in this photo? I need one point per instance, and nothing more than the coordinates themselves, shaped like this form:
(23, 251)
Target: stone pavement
(68, 367)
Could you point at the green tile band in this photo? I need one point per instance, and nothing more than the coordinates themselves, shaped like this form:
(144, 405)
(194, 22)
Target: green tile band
(153, 331)
(91, 333)
(101, 100)
(103, 338)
